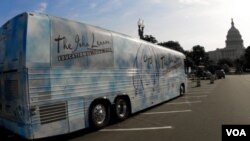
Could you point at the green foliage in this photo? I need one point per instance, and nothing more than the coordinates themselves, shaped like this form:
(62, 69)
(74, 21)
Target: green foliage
(199, 56)
(247, 57)
(150, 38)
(172, 45)
(225, 61)
(189, 60)
(239, 63)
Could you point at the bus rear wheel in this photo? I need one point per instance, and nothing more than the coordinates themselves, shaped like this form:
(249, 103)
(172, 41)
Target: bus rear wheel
(99, 115)
(122, 109)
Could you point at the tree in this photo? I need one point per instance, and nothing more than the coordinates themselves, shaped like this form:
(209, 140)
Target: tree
(239, 63)
(172, 45)
(247, 57)
(225, 61)
(225, 64)
(199, 56)
(189, 60)
(150, 38)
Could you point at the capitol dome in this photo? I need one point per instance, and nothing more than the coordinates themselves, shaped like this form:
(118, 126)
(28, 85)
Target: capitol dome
(234, 46)
(233, 37)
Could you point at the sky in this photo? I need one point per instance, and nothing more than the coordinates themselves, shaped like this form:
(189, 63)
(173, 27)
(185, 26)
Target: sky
(190, 22)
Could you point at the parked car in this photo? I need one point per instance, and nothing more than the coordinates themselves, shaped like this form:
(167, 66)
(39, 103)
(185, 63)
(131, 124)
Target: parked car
(220, 74)
(205, 75)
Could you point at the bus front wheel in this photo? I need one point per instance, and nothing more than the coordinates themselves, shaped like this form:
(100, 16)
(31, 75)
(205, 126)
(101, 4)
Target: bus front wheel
(99, 115)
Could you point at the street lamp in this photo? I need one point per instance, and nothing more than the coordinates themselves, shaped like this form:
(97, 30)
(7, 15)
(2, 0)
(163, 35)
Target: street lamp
(200, 61)
(141, 26)
(199, 73)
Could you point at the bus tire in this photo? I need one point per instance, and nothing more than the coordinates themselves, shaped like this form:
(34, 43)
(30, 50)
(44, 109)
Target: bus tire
(99, 115)
(122, 108)
(182, 90)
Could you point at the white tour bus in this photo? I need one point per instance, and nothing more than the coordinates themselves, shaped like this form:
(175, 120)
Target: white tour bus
(58, 76)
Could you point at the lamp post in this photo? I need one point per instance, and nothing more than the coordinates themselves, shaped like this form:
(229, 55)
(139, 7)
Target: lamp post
(199, 73)
(141, 26)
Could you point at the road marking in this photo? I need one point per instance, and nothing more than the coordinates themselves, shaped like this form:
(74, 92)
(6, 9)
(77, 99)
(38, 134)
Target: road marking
(195, 96)
(136, 129)
(166, 112)
(201, 90)
(198, 92)
(185, 102)
(209, 89)
(187, 94)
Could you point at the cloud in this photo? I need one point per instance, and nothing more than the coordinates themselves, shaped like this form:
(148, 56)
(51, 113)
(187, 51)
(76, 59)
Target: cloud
(157, 1)
(111, 5)
(128, 14)
(75, 15)
(42, 7)
(93, 5)
(192, 2)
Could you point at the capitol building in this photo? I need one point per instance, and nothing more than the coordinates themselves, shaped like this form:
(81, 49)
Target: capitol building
(234, 46)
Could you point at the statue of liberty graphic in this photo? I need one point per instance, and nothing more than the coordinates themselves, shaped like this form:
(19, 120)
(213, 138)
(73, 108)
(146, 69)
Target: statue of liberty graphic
(146, 76)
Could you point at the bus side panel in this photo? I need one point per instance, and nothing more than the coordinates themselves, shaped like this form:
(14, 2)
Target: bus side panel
(44, 120)
(124, 59)
(170, 72)
(48, 116)
(152, 74)
(142, 76)
(82, 87)
(81, 59)
(76, 114)
(70, 94)
(77, 45)
(38, 41)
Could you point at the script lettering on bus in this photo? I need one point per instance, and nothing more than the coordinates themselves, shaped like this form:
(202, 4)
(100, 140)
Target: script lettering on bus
(80, 42)
(81, 46)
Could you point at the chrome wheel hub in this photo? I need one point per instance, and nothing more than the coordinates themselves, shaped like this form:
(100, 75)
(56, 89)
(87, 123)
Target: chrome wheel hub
(99, 113)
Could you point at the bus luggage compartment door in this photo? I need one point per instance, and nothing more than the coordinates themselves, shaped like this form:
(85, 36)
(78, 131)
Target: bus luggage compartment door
(76, 114)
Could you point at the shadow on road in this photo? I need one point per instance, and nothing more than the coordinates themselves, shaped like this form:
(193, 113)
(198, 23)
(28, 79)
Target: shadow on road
(7, 135)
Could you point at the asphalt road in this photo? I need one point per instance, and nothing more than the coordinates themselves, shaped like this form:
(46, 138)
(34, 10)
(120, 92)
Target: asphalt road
(197, 116)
